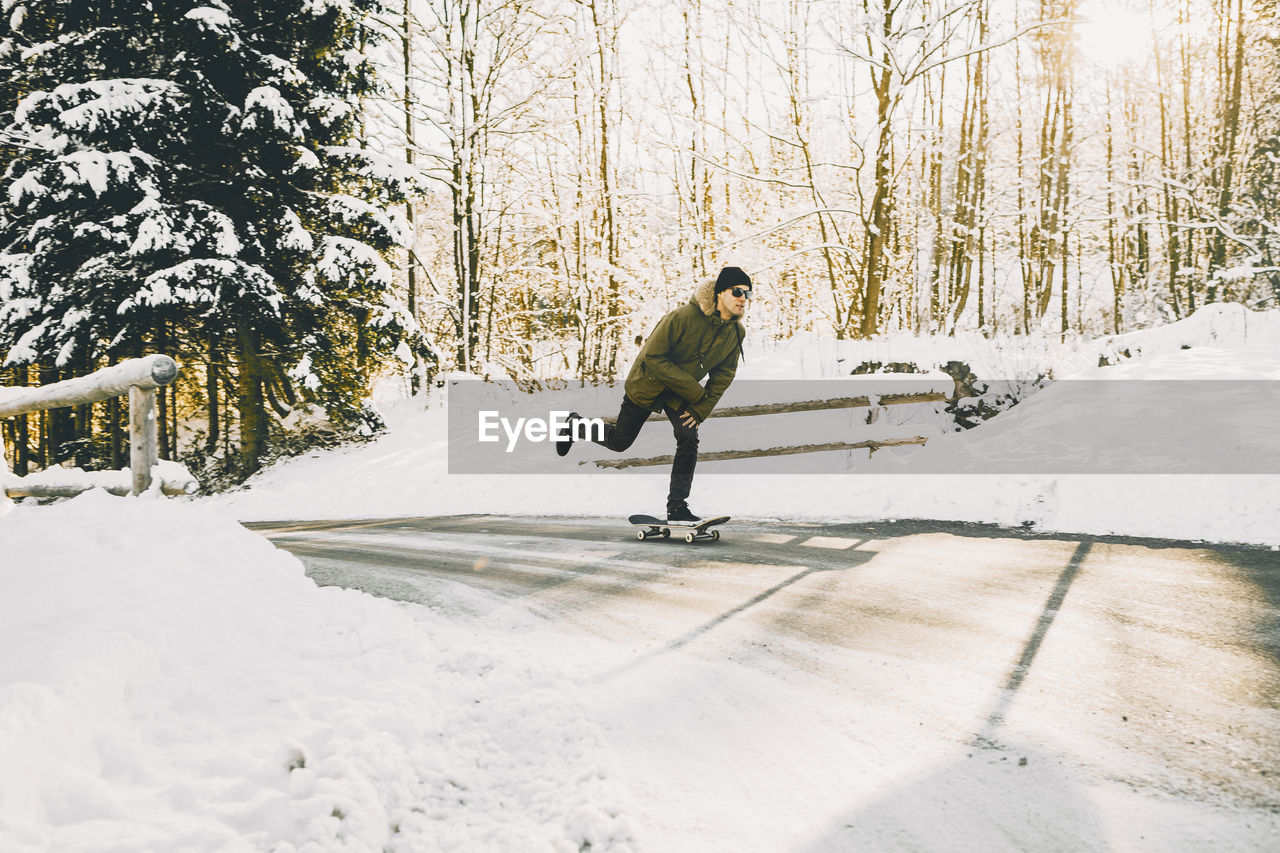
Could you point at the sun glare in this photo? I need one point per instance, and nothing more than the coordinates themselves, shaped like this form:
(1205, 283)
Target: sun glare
(1112, 33)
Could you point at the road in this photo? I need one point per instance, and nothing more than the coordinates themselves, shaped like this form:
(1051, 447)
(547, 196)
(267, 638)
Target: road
(905, 684)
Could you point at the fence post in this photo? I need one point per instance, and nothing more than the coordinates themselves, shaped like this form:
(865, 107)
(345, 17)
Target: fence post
(143, 433)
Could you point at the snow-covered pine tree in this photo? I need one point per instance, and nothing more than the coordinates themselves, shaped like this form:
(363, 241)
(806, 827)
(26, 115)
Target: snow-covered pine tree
(186, 174)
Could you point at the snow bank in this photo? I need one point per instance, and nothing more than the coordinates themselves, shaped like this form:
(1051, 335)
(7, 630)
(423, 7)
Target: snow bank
(1228, 325)
(181, 684)
(165, 474)
(1222, 325)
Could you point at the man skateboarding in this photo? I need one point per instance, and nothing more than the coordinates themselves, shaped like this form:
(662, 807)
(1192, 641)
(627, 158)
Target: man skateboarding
(702, 338)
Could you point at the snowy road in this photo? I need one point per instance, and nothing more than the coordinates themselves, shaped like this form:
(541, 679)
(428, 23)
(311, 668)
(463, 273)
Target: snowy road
(885, 686)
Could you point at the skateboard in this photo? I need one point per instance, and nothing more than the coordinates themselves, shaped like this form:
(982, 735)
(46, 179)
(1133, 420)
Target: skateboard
(650, 526)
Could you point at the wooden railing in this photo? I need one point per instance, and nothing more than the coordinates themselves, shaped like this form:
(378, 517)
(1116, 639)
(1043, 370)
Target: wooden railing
(138, 378)
(816, 405)
(783, 408)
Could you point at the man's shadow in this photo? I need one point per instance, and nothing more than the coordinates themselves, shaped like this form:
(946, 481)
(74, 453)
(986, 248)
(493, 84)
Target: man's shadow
(855, 559)
(986, 800)
(999, 796)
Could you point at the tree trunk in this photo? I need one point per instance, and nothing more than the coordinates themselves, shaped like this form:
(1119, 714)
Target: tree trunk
(1066, 256)
(800, 130)
(610, 339)
(22, 432)
(411, 270)
(114, 433)
(970, 179)
(1064, 198)
(882, 200)
(1226, 153)
(1024, 237)
(1188, 140)
(1114, 262)
(211, 393)
(933, 181)
(251, 402)
(697, 144)
(1173, 257)
(467, 110)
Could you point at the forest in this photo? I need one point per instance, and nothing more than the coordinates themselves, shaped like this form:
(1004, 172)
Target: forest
(294, 199)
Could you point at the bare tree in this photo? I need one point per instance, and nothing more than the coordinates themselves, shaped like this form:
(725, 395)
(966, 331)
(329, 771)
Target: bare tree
(1232, 27)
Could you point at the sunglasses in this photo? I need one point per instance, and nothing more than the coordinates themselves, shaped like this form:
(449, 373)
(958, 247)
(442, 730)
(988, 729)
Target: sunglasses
(741, 293)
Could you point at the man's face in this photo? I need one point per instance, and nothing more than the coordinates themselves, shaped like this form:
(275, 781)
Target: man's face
(733, 302)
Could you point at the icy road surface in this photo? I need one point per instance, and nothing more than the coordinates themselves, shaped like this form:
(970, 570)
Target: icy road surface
(904, 685)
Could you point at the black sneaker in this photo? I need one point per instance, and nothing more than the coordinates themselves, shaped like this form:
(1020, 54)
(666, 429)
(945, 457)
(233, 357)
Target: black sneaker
(682, 514)
(564, 439)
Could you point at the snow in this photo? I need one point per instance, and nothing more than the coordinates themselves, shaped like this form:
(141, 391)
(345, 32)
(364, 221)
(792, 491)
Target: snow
(330, 109)
(324, 7)
(15, 275)
(188, 283)
(24, 351)
(94, 170)
(165, 473)
(307, 160)
(1227, 326)
(294, 235)
(379, 167)
(207, 695)
(267, 110)
(213, 19)
(92, 108)
(178, 228)
(346, 261)
(304, 373)
(354, 211)
(179, 683)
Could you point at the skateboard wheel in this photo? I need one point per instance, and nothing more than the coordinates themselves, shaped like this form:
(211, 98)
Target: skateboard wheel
(688, 537)
(666, 534)
(715, 534)
(641, 535)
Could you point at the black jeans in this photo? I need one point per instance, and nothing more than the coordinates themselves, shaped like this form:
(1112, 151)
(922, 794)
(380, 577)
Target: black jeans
(631, 417)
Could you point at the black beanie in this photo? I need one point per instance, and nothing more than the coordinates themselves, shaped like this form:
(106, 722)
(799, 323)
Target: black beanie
(732, 277)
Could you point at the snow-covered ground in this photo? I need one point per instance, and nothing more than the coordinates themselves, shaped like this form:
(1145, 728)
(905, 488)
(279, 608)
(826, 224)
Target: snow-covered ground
(174, 682)
(171, 681)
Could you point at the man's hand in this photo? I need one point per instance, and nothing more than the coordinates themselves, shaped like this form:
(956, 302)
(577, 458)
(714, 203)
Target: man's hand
(688, 420)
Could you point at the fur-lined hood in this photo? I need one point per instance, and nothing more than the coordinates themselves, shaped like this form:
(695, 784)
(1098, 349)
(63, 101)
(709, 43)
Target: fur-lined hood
(704, 296)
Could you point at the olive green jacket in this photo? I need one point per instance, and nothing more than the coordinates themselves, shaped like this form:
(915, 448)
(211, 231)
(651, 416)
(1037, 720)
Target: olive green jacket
(688, 344)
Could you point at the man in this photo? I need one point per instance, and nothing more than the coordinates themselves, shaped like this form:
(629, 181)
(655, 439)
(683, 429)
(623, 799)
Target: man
(700, 339)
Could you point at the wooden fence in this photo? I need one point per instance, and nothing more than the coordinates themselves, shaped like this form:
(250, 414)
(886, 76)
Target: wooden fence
(783, 408)
(138, 378)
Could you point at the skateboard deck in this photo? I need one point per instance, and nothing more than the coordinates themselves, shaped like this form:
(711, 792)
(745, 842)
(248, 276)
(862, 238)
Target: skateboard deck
(694, 530)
